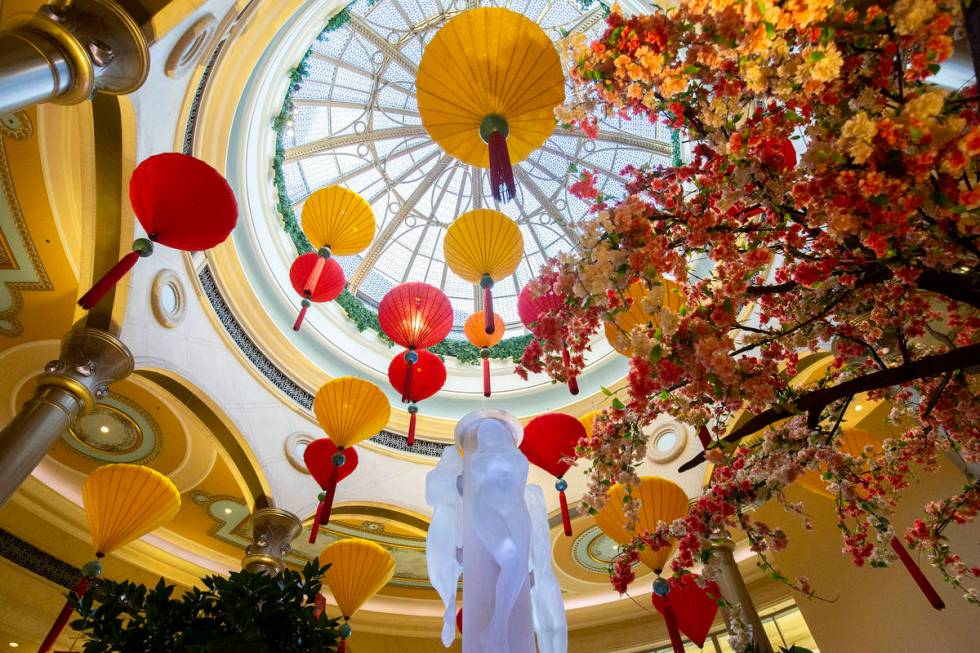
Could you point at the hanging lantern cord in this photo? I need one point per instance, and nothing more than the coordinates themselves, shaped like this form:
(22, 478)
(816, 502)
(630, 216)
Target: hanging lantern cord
(90, 570)
(322, 255)
(566, 520)
(494, 131)
(920, 579)
(486, 282)
(411, 357)
(302, 314)
(485, 355)
(662, 588)
(412, 411)
(142, 247)
(325, 506)
(345, 631)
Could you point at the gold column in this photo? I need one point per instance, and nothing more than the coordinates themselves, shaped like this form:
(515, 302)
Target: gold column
(67, 51)
(735, 593)
(91, 359)
(273, 530)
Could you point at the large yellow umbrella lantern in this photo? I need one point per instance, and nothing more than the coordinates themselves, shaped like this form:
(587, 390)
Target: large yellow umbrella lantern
(660, 500)
(122, 503)
(854, 441)
(635, 315)
(348, 410)
(358, 570)
(487, 88)
(483, 247)
(337, 222)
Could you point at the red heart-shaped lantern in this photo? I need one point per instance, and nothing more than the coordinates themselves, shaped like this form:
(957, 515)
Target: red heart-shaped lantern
(691, 606)
(428, 377)
(322, 457)
(329, 282)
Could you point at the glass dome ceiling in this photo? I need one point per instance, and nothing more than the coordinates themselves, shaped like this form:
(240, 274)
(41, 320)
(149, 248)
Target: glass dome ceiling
(355, 122)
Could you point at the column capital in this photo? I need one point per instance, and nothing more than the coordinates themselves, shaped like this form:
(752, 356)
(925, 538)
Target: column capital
(90, 360)
(273, 531)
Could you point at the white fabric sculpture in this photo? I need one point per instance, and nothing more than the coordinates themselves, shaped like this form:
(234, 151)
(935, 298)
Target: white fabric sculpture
(546, 600)
(481, 506)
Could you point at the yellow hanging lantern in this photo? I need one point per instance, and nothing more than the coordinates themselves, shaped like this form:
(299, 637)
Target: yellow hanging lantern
(660, 500)
(851, 442)
(122, 503)
(350, 410)
(476, 332)
(337, 222)
(588, 420)
(636, 315)
(358, 570)
(487, 88)
(484, 246)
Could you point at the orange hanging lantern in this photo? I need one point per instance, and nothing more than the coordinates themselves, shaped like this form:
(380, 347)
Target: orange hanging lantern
(549, 443)
(479, 337)
(358, 570)
(635, 315)
(487, 88)
(348, 410)
(329, 284)
(122, 503)
(660, 501)
(428, 378)
(853, 442)
(181, 202)
(337, 222)
(483, 247)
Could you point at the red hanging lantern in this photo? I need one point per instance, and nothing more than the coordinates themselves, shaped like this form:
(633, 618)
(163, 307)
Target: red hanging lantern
(687, 607)
(533, 309)
(181, 202)
(329, 283)
(328, 465)
(428, 377)
(415, 315)
(549, 443)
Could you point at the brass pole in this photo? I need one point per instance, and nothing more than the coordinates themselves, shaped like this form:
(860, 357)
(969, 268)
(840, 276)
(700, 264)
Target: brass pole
(67, 51)
(90, 360)
(273, 530)
(735, 593)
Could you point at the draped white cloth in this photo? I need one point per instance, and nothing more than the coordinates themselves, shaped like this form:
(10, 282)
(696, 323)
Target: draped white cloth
(481, 505)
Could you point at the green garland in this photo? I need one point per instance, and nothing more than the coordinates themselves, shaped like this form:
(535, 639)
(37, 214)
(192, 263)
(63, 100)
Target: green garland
(358, 313)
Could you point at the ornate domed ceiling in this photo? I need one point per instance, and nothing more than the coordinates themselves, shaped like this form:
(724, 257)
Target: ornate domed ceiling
(355, 122)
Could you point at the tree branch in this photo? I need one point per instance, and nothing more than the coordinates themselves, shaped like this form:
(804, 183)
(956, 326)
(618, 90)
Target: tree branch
(817, 400)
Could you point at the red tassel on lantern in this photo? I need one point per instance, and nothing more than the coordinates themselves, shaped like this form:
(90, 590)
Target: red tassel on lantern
(675, 635)
(501, 174)
(704, 436)
(488, 315)
(112, 277)
(486, 377)
(311, 281)
(302, 315)
(59, 624)
(322, 457)
(409, 375)
(342, 645)
(572, 381)
(459, 620)
(566, 520)
(411, 424)
(320, 603)
(920, 579)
